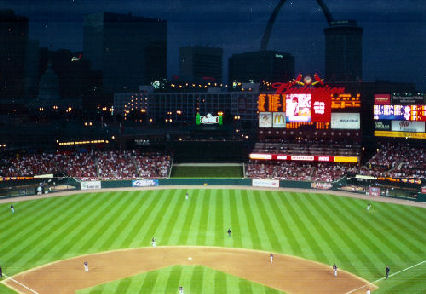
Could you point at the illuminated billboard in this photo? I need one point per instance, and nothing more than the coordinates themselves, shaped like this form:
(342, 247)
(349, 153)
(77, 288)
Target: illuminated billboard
(265, 119)
(382, 99)
(278, 120)
(298, 107)
(321, 108)
(345, 121)
(408, 126)
(312, 158)
(400, 112)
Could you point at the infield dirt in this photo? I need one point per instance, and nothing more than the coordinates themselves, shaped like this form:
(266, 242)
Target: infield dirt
(287, 273)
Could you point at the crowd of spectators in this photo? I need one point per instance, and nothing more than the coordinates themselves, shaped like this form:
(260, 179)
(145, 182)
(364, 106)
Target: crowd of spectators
(392, 160)
(299, 171)
(115, 164)
(397, 160)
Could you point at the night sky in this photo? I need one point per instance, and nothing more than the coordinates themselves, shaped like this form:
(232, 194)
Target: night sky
(394, 31)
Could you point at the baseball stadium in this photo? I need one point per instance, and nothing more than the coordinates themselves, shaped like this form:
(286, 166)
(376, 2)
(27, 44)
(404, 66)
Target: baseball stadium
(117, 176)
(305, 207)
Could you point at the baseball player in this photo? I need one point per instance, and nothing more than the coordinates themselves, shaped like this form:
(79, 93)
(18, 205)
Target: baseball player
(153, 242)
(229, 232)
(181, 290)
(368, 291)
(335, 270)
(368, 206)
(86, 266)
(1, 273)
(186, 196)
(12, 209)
(271, 256)
(387, 272)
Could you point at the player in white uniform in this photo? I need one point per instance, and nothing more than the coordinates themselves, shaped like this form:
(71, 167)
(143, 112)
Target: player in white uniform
(335, 270)
(186, 196)
(153, 242)
(86, 266)
(181, 290)
(271, 257)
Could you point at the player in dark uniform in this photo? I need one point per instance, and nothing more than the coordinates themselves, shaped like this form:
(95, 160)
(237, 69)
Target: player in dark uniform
(387, 271)
(229, 232)
(1, 273)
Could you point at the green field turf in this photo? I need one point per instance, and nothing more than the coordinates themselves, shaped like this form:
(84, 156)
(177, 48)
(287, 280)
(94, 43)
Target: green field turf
(196, 279)
(328, 229)
(202, 172)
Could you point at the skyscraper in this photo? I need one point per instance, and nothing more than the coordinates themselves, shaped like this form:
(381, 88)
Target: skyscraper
(13, 46)
(256, 66)
(200, 63)
(128, 50)
(343, 51)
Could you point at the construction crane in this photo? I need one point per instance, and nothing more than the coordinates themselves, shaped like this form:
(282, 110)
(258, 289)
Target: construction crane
(269, 25)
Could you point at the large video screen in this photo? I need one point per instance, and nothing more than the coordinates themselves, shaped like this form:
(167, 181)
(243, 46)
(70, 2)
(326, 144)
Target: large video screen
(298, 107)
(400, 112)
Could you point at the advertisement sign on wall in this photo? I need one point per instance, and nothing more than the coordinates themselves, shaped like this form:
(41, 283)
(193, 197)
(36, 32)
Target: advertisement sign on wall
(345, 121)
(278, 119)
(321, 108)
(409, 99)
(382, 99)
(265, 119)
(91, 185)
(266, 183)
(400, 112)
(374, 191)
(298, 107)
(408, 126)
(145, 183)
(383, 125)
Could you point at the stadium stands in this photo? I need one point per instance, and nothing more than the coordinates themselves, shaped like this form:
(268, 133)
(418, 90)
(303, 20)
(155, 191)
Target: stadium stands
(89, 165)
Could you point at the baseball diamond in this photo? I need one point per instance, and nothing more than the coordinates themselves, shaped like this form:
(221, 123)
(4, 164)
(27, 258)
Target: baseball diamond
(46, 241)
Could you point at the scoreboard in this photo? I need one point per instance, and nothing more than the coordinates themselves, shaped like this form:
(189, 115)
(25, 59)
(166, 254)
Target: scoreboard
(400, 112)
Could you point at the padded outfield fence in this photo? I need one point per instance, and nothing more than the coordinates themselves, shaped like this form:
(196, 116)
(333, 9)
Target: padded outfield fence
(30, 187)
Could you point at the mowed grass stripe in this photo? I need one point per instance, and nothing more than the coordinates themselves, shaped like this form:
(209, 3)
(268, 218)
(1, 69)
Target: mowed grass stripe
(197, 279)
(120, 225)
(129, 235)
(305, 240)
(196, 198)
(174, 277)
(384, 243)
(151, 225)
(91, 219)
(345, 249)
(98, 234)
(291, 246)
(400, 231)
(231, 219)
(219, 218)
(211, 224)
(169, 228)
(332, 250)
(23, 225)
(359, 242)
(408, 224)
(266, 227)
(188, 215)
(305, 224)
(24, 251)
(58, 237)
(202, 227)
(248, 237)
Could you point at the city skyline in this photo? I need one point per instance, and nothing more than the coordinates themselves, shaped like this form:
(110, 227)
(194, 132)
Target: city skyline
(393, 45)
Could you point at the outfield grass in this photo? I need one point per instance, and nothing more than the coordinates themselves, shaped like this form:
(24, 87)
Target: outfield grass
(328, 229)
(202, 172)
(196, 279)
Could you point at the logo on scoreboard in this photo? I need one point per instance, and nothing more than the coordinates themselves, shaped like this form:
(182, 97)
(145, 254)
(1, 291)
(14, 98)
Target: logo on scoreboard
(278, 119)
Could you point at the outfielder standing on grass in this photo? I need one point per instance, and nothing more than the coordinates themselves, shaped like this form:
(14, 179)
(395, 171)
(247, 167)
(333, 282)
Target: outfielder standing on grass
(387, 271)
(153, 242)
(12, 209)
(1, 273)
(229, 232)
